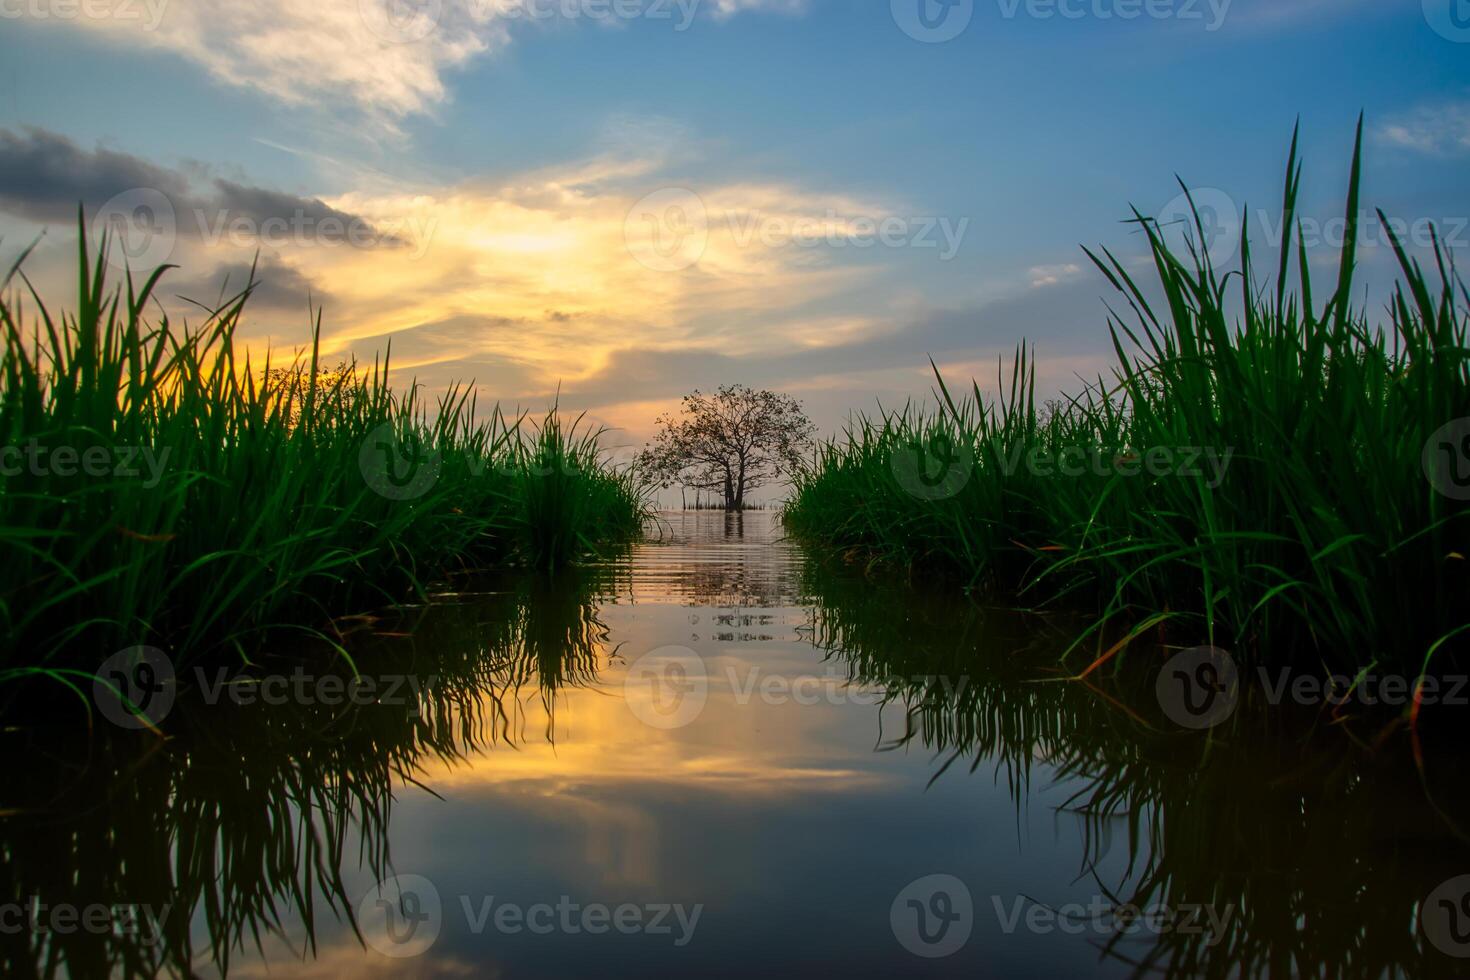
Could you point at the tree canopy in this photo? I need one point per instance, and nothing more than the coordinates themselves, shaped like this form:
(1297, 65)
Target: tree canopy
(730, 443)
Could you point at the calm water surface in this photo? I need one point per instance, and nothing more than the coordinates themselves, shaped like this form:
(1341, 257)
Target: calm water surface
(713, 758)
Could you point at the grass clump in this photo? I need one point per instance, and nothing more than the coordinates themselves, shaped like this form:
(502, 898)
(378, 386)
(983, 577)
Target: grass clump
(1322, 539)
(159, 489)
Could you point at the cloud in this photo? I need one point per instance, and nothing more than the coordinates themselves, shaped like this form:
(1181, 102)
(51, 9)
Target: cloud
(729, 8)
(556, 253)
(337, 51)
(45, 176)
(1051, 275)
(1067, 326)
(389, 58)
(533, 284)
(1437, 130)
(278, 287)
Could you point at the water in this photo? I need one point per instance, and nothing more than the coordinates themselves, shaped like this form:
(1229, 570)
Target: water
(712, 758)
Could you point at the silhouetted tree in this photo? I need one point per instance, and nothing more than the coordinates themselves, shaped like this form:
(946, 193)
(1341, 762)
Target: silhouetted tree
(729, 443)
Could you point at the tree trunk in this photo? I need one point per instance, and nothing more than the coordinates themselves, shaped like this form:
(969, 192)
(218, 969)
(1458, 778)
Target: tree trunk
(740, 487)
(730, 503)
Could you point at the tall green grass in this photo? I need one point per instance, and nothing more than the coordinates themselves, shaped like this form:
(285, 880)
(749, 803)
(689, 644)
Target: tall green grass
(1324, 542)
(265, 516)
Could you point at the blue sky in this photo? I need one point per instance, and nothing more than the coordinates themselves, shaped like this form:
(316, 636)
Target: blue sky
(508, 163)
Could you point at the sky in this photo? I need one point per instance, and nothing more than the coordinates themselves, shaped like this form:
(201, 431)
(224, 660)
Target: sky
(609, 203)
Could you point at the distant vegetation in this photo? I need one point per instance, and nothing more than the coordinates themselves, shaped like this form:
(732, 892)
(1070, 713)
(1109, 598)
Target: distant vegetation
(157, 488)
(1265, 470)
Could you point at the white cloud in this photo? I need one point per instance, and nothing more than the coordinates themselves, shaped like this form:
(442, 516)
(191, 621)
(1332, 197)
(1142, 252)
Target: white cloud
(1053, 275)
(387, 57)
(338, 51)
(729, 8)
(1436, 130)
